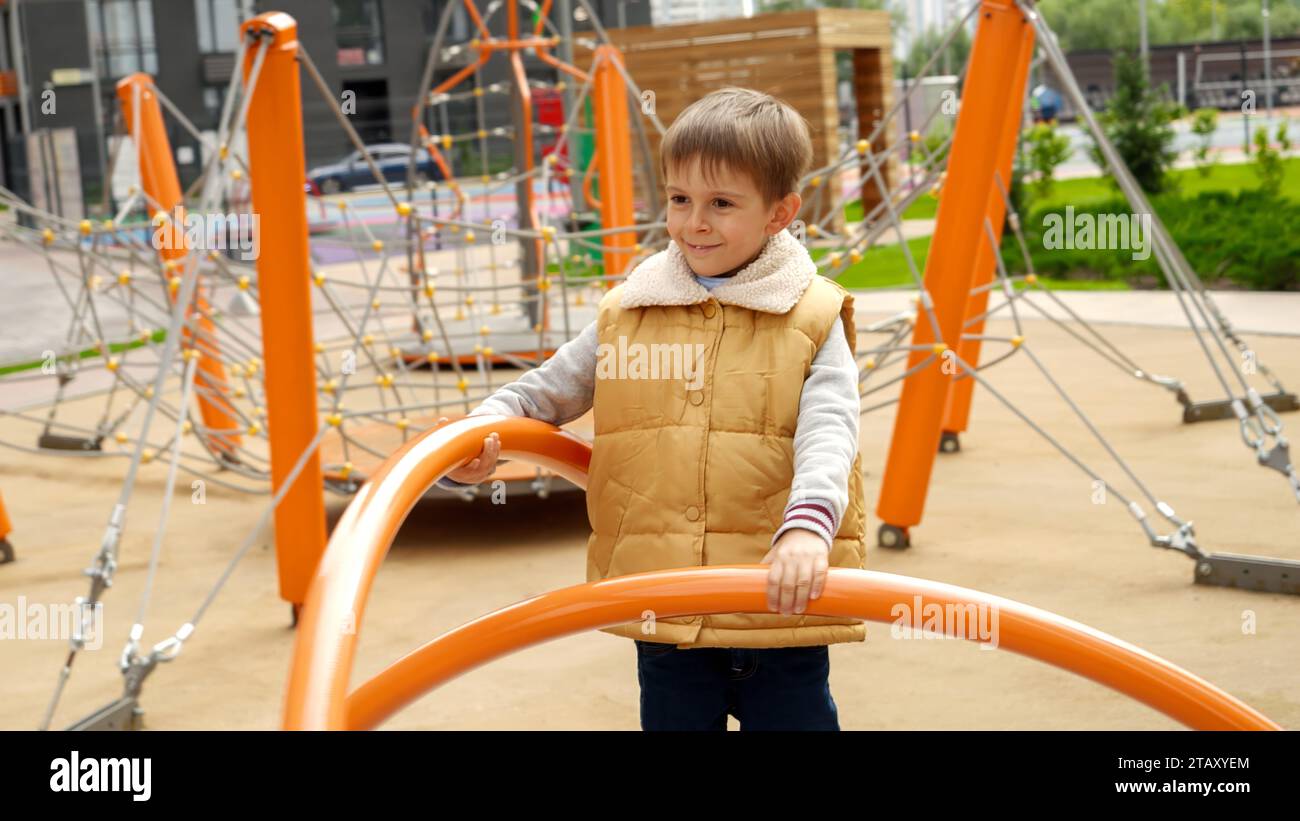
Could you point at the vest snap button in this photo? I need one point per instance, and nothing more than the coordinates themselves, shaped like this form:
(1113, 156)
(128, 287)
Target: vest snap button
(709, 310)
(696, 397)
(693, 513)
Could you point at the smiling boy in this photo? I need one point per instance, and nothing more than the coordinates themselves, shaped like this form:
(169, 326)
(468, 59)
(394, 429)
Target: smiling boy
(754, 462)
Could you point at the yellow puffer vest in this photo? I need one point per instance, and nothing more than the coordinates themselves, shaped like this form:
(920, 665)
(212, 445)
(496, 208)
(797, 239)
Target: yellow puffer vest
(696, 471)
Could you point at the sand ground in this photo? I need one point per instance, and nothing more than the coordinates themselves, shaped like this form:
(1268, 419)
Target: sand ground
(1006, 515)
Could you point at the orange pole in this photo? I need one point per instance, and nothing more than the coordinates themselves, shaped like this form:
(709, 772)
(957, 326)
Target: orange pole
(533, 260)
(957, 415)
(958, 235)
(276, 163)
(159, 181)
(577, 74)
(472, 8)
(316, 696)
(613, 160)
(6, 526)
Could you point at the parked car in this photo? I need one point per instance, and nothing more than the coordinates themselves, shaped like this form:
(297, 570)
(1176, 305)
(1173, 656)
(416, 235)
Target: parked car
(353, 171)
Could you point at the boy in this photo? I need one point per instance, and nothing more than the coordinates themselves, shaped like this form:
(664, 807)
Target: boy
(744, 454)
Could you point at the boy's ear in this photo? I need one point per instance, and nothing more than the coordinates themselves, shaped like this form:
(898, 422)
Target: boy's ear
(784, 212)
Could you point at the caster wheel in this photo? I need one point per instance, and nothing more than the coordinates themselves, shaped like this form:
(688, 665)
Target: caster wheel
(893, 537)
(294, 610)
(949, 443)
(6, 552)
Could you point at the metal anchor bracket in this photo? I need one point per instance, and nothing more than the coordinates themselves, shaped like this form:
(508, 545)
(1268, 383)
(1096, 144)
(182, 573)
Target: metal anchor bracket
(542, 486)
(125, 713)
(105, 563)
(1167, 382)
(1183, 539)
(1279, 458)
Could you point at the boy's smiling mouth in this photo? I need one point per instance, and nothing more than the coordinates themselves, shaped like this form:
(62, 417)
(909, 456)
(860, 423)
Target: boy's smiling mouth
(700, 249)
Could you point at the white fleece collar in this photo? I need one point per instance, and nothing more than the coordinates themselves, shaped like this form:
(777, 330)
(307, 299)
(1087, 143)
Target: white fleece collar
(772, 283)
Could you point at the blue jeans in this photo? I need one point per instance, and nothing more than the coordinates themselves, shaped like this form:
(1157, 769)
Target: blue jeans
(775, 688)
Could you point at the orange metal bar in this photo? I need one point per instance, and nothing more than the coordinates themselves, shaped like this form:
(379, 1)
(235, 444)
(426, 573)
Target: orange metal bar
(957, 414)
(863, 594)
(454, 79)
(6, 526)
(609, 109)
(576, 73)
(541, 18)
(515, 44)
(432, 148)
(316, 697)
(159, 181)
(276, 161)
(524, 189)
(478, 21)
(958, 235)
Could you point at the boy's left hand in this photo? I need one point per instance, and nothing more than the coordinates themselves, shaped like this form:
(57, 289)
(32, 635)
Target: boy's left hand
(799, 561)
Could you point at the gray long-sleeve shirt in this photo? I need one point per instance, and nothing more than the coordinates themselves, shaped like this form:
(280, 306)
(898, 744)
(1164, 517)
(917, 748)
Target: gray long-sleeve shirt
(825, 440)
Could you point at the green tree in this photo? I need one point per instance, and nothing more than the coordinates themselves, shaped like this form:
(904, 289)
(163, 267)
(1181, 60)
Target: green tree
(1204, 123)
(1137, 122)
(1113, 24)
(1096, 24)
(927, 43)
(798, 5)
(1242, 21)
(1268, 160)
(1048, 148)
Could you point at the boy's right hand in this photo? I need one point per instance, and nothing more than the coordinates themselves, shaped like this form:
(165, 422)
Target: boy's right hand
(481, 467)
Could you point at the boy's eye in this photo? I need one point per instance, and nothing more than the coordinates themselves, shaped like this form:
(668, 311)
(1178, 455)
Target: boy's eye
(682, 199)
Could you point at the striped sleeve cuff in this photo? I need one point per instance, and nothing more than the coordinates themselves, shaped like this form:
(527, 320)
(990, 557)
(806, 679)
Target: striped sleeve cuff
(816, 515)
(451, 484)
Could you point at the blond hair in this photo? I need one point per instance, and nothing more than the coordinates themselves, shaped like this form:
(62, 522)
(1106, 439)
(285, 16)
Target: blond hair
(745, 131)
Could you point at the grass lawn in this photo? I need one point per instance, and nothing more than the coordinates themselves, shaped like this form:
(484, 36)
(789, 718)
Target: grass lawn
(923, 209)
(88, 353)
(1083, 190)
(884, 266)
(1231, 178)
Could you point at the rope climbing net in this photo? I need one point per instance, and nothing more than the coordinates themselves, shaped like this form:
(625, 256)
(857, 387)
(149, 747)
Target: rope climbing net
(429, 294)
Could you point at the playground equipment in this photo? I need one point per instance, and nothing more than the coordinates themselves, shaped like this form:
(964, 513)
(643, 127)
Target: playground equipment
(289, 362)
(940, 363)
(338, 361)
(317, 696)
(6, 527)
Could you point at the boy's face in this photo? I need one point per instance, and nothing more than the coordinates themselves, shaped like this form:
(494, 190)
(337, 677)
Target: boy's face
(721, 224)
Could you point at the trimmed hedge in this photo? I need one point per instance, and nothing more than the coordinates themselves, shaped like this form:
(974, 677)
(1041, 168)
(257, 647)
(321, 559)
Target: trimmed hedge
(1249, 238)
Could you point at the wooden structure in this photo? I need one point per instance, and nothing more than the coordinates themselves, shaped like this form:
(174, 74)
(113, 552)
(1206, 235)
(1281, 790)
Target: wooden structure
(790, 55)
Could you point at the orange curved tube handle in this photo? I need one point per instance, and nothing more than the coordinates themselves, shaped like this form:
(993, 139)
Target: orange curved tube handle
(317, 695)
(848, 593)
